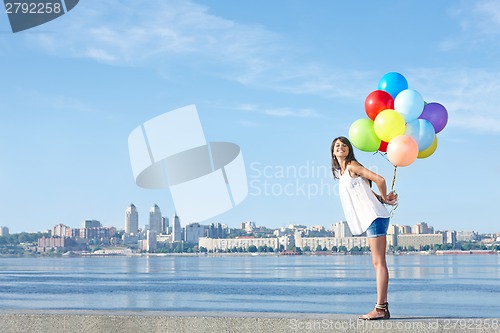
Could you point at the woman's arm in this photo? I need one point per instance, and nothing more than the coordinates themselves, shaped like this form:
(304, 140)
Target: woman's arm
(361, 171)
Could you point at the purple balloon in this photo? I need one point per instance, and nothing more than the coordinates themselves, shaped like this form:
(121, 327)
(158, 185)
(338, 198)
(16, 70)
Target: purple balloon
(436, 114)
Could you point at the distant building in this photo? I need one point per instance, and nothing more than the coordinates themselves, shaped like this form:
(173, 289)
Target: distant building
(223, 244)
(91, 224)
(422, 228)
(329, 242)
(151, 241)
(467, 236)
(286, 241)
(317, 231)
(216, 231)
(131, 220)
(317, 228)
(162, 240)
(129, 239)
(101, 234)
(155, 220)
(45, 244)
(392, 234)
(297, 227)
(176, 229)
(61, 230)
(342, 230)
(165, 228)
(404, 229)
(248, 226)
(419, 240)
(450, 237)
(4, 231)
(393, 229)
(193, 232)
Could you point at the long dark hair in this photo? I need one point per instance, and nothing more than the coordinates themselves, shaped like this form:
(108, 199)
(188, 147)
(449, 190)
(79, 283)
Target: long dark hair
(350, 156)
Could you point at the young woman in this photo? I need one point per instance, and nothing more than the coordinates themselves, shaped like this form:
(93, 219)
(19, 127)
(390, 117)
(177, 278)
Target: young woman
(365, 211)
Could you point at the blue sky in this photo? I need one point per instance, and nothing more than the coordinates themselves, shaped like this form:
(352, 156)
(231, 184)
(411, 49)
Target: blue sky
(279, 78)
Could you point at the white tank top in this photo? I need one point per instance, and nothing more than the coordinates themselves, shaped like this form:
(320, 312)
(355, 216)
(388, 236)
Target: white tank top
(360, 205)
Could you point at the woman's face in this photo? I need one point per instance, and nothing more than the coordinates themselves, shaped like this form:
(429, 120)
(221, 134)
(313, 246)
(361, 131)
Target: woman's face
(340, 149)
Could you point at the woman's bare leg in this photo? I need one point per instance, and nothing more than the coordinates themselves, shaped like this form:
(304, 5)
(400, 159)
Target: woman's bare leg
(378, 249)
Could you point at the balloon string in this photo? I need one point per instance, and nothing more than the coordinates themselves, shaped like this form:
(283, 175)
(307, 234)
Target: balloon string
(384, 155)
(392, 190)
(394, 178)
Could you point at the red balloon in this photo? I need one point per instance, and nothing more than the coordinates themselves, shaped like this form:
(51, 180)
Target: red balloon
(377, 101)
(383, 146)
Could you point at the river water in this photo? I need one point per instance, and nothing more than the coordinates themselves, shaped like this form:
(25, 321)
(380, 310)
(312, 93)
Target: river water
(420, 285)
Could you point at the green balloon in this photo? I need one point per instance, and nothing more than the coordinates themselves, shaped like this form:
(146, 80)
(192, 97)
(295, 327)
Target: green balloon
(362, 135)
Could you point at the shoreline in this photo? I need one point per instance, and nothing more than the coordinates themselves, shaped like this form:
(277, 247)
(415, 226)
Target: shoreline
(73, 254)
(17, 321)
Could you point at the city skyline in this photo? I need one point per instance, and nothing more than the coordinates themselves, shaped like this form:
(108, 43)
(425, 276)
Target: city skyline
(281, 87)
(154, 212)
(295, 239)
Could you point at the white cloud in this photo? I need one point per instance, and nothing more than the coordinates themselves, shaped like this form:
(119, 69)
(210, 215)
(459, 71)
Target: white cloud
(247, 107)
(168, 33)
(100, 55)
(479, 23)
(32, 101)
(478, 122)
(286, 112)
(141, 33)
(323, 80)
(470, 95)
(279, 112)
(487, 15)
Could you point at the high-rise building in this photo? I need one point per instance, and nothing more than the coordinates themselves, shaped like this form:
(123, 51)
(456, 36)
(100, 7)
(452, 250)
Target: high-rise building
(155, 219)
(450, 237)
(4, 231)
(176, 229)
(248, 226)
(404, 229)
(467, 236)
(131, 220)
(61, 230)
(392, 235)
(91, 224)
(164, 225)
(422, 228)
(216, 231)
(193, 232)
(151, 241)
(342, 230)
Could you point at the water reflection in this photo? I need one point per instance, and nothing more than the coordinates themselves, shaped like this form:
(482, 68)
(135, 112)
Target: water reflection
(419, 285)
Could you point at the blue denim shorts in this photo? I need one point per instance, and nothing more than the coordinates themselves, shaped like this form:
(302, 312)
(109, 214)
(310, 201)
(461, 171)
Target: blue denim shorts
(378, 227)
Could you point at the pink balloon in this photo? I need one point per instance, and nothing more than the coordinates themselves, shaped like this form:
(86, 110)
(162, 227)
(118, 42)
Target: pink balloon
(402, 150)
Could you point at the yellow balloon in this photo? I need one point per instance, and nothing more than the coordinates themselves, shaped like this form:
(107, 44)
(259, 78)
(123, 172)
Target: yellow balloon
(388, 124)
(429, 151)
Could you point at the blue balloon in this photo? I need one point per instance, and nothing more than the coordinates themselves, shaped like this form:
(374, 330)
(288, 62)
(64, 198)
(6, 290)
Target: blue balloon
(393, 83)
(422, 132)
(410, 104)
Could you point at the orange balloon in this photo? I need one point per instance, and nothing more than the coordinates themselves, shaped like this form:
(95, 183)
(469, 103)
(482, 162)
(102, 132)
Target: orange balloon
(402, 150)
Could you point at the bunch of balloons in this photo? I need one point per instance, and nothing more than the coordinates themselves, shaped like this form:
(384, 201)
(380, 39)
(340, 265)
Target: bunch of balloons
(400, 123)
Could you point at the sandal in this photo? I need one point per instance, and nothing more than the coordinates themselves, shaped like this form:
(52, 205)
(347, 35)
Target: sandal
(381, 311)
